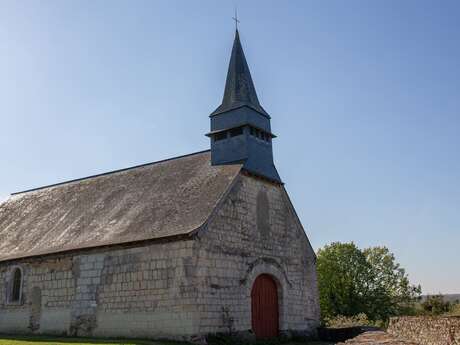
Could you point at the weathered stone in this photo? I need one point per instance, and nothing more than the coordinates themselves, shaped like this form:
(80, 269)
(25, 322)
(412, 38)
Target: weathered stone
(35, 309)
(377, 338)
(426, 330)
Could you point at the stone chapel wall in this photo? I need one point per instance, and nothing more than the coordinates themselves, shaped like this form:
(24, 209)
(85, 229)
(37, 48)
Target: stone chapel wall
(127, 292)
(255, 231)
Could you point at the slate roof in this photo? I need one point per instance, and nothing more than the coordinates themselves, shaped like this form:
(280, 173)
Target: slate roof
(239, 88)
(157, 200)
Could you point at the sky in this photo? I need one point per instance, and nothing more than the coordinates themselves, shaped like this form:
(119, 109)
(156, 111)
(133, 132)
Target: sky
(363, 97)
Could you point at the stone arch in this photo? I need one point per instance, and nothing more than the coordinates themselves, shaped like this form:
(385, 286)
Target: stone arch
(15, 285)
(277, 273)
(265, 307)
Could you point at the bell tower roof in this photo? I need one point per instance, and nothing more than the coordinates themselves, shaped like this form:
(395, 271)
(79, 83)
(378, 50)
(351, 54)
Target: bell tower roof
(240, 127)
(239, 88)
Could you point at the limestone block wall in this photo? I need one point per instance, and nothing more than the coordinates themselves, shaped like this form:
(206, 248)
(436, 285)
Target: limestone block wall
(127, 292)
(255, 231)
(427, 330)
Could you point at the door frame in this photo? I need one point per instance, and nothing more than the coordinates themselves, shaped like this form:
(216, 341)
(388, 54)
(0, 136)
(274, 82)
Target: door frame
(282, 285)
(269, 279)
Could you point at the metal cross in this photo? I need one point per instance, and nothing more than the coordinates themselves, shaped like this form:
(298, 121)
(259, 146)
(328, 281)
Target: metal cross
(235, 18)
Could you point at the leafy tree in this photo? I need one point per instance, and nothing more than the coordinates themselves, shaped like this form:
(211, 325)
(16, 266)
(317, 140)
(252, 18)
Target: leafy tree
(390, 289)
(343, 273)
(370, 281)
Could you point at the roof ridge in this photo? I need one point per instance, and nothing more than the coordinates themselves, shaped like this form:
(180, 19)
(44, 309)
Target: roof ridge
(107, 173)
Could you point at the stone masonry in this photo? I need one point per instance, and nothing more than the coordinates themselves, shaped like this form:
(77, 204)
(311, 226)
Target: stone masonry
(377, 338)
(427, 330)
(133, 292)
(239, 245)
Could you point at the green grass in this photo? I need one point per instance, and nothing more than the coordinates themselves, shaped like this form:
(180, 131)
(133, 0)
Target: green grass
(44, 340)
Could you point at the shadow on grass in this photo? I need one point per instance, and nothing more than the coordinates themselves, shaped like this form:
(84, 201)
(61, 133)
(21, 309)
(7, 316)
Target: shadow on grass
(93, 341)
(50, 340)
(228, 340)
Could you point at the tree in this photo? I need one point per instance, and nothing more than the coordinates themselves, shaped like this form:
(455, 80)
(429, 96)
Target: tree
(343, 273)
(353, 281)
(390, 288)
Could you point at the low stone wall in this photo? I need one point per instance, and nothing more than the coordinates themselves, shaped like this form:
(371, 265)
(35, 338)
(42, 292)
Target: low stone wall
(427, 330)
(377, 338)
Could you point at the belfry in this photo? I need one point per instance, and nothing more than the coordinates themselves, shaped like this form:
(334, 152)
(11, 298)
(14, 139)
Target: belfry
(240, 126)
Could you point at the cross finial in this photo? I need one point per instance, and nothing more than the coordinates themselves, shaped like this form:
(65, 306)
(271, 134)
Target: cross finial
(235, 18)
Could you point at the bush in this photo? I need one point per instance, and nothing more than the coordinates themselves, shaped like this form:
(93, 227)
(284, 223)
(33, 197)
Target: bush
(436, 305)
(454, 310)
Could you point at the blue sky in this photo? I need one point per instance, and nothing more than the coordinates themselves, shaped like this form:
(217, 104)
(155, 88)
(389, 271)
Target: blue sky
(363, 97)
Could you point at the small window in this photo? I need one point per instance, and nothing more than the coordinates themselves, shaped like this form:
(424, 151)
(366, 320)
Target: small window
(16, 286)
(236, 131)
(220, 136)
(267, 137)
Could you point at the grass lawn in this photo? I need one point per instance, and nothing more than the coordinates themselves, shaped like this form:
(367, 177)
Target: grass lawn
(44, 340)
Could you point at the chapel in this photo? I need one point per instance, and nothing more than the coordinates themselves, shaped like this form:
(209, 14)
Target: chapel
(181, 248)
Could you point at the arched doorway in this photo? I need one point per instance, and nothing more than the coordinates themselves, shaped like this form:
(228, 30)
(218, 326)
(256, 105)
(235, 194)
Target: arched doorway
(264, 305)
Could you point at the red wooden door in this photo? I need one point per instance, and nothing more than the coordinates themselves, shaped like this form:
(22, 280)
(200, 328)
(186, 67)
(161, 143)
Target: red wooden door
(264, 303)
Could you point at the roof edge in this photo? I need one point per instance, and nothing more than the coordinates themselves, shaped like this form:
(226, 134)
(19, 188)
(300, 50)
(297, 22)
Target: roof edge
(219, 111)
(296, 215)
(242, 124)
(219, 203)
(177, 237)
(251, 172)
(106, 173)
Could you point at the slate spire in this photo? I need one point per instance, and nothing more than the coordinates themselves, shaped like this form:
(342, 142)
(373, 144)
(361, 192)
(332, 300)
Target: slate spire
(240, 128)
(239, 88)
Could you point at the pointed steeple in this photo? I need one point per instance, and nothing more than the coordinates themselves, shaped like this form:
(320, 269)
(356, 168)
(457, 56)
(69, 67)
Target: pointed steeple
(239, 88)
(240, 127)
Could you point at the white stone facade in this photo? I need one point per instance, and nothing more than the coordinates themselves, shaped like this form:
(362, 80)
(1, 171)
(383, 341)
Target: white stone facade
(177, 289)
(235, 249)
